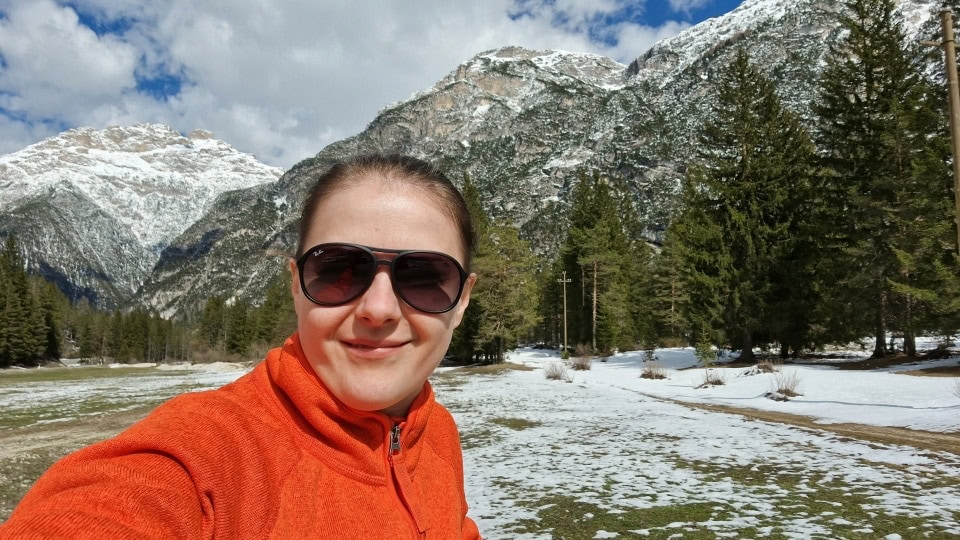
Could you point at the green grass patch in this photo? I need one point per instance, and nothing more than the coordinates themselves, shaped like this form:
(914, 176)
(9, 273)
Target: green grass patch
(794, 500)
(516, 424)
(21, 376)
(490, 369)
(566, 517)
(478, 438)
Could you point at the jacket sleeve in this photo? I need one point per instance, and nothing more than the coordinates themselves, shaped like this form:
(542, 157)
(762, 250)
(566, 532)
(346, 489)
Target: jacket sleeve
(110, 491)
(470, 530)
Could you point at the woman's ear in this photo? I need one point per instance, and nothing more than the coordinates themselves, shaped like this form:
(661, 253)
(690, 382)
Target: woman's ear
(464, 300)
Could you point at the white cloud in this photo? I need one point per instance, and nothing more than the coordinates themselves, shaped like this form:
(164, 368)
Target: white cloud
(280, 79)
(53, 63)
(686, 6)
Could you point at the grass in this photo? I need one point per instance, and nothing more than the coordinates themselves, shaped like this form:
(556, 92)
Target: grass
(799, 501)
(38, 375)
(20, 383)
(516, 424)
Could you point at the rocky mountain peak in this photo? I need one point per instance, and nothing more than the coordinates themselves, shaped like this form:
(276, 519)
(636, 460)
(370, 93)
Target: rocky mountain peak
(139, 186)
(152, 178)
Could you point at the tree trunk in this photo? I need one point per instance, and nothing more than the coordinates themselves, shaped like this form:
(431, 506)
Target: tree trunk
(910, 344)
(880, 335)
(746, 352)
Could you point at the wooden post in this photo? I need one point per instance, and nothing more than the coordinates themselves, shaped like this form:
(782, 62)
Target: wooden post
(565, 280)
(953, 91)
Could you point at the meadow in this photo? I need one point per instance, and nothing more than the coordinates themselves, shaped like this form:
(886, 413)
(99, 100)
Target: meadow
(605, 453)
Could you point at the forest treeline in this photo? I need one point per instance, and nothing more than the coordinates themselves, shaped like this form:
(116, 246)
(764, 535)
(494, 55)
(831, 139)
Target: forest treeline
(792, 233)
(39, 324)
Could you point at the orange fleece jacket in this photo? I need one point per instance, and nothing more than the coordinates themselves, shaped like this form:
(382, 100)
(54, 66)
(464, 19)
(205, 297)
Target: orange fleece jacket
(272, 455)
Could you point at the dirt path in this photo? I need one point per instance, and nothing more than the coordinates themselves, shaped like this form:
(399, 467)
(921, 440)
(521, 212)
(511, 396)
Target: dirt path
(924, 440)
(77, 432)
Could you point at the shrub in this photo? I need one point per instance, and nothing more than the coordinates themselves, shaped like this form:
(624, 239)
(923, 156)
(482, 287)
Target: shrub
(956, 387)
(766, 366)
(713, 377)
(787, 383)
(582, 350)
(581, 363)
(653, 370)
(556, 372)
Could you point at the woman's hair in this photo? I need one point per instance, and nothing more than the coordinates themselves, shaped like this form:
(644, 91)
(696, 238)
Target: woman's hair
(397, 169)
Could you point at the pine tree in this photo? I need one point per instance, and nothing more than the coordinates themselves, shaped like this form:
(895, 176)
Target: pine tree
(239, 331)
(608, 263)
(213, 321)
(507, 290)
(748, 200)
(695, 250)
(876, 138)
(274, 320)
(22, 329)
(465, 345)
(53, 304)
(669, 297)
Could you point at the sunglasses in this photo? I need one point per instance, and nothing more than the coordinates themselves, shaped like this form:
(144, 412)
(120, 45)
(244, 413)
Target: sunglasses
(336, 273)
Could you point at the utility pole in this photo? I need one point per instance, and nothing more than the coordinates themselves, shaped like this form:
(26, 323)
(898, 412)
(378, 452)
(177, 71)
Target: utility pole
(953, 90)
(565, 280)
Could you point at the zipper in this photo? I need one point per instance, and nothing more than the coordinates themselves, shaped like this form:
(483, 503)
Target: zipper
(395, 440)
(400, 484)
(394, 450)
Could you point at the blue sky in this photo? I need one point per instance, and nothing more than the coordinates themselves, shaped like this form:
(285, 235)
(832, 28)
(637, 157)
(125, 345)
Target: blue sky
(280, 78)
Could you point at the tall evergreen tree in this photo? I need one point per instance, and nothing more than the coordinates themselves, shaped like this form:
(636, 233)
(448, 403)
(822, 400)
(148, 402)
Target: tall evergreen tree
(275, 318)
(465, 345)
(507, 290)
(239, 331)
(53, 304)
(607, 262)
(877, 139)
(22, 329)
(748, 199)
(213, 321)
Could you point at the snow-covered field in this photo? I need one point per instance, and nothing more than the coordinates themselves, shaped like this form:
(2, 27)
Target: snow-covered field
(63, 400)
(596, 457)
(610, 454)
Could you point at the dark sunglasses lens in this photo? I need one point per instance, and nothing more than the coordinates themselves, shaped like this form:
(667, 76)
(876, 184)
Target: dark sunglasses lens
(337, 274)
(428, 281)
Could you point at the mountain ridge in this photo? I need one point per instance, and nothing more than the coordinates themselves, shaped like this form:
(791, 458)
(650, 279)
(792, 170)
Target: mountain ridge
(130, 191)
(523, 125)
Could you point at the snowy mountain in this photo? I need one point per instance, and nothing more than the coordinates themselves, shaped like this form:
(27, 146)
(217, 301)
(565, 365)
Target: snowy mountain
(95, 208)
(522, 124)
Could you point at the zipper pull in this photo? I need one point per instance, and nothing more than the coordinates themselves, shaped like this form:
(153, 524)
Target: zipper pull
(395, 440)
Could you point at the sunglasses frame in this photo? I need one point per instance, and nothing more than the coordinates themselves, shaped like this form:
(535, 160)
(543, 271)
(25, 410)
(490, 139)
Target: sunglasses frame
(377, 262)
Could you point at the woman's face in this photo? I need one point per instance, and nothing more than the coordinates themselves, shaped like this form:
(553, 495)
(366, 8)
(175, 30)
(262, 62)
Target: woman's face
(375, 352)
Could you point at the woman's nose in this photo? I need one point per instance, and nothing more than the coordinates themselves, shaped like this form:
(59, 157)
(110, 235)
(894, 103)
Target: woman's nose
(379, 304)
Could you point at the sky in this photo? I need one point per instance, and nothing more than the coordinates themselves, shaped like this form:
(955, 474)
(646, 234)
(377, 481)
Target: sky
(280, 79)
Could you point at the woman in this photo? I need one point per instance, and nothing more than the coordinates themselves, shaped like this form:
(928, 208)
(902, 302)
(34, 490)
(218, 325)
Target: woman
(334, 435)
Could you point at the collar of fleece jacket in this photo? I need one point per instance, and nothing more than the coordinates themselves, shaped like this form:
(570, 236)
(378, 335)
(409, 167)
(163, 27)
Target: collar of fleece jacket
(357, 443)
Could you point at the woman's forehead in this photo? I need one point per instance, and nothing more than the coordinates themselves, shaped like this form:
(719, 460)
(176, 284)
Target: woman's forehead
(387, 215)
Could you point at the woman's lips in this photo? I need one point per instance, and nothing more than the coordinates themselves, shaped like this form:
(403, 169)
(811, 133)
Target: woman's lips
(373, 348)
